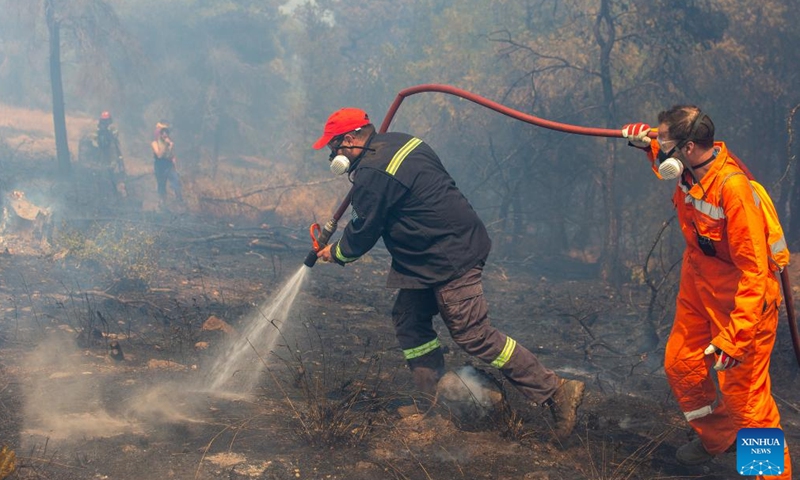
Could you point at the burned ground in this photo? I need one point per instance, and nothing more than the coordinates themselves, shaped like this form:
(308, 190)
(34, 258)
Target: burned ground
(333, 399)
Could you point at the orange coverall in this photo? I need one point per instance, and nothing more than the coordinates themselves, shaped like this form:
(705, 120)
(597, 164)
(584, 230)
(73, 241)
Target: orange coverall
(730, 300)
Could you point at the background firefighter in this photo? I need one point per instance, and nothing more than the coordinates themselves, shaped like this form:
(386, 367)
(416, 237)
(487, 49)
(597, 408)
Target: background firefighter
(164, 165)
(727, 307)
(403, 194)
(110, 153)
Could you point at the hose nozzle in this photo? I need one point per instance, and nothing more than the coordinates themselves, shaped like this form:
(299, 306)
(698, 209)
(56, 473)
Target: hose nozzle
(319, 239)
(311, 258)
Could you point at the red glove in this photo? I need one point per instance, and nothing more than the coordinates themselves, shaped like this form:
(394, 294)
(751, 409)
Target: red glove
(724, 361)
(636, 134)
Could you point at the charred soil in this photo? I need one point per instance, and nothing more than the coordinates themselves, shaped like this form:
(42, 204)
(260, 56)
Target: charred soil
(333, 399)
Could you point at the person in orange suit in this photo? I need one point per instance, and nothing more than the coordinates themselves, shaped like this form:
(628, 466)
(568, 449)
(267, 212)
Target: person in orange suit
(727, 307)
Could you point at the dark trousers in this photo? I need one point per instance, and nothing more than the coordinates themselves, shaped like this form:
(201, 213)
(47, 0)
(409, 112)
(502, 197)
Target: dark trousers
(464, 311)
(165, 171)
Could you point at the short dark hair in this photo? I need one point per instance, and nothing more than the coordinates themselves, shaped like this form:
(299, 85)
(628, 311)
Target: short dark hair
(687, 123)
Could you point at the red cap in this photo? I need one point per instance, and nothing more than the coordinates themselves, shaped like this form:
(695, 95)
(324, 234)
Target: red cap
(341, 121)
(105, 116)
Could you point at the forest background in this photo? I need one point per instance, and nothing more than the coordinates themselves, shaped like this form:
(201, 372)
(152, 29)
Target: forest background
(585, 259)
(247, 86)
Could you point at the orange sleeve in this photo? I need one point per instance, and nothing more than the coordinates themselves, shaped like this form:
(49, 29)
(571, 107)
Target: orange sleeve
(652, 155)
(748, 250)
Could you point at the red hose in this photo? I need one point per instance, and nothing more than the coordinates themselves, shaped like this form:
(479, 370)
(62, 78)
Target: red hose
(433, 87)
(564, 127)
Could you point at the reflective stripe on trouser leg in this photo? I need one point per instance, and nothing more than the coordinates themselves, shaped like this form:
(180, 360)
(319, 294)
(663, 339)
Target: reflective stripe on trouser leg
(416, 352)
(688, 370)
(412, 315)
(505, 355)
(700, 412)
(465, 313)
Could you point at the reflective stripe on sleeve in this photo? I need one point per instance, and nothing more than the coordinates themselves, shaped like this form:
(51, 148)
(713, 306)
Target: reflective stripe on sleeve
(341, 257)
(422, 349)
(401, 155)
(505, 355)
(778, 246)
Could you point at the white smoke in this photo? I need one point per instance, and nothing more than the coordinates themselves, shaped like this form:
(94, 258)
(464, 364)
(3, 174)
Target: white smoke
(468, 385)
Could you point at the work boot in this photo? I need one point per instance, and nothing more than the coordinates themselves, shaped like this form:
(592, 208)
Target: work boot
(564, 406)
(693, 453)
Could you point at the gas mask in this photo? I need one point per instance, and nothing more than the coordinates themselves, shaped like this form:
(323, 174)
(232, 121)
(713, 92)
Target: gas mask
(339, 164)
(669, 167)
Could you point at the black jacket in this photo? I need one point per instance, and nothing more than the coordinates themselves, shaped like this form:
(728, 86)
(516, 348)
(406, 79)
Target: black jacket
(402, 192)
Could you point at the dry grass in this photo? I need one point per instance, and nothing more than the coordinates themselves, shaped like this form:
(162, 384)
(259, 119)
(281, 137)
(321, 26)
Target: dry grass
(31, 131)
(341, 402)
(267, 190)
(607, 462)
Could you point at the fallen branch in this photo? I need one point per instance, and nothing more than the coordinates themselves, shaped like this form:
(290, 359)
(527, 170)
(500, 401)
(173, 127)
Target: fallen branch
(231, 201)
(102, 294)
(230, 236)
(281, 187)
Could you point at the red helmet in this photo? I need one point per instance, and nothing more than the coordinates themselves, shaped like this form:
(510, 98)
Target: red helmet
(105, 116)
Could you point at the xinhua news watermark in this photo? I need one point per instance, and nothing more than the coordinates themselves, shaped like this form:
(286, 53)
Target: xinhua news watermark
(759, 451)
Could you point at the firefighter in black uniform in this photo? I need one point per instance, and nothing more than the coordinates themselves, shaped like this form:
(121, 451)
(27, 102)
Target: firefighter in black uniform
(402, 193)
(107, 142)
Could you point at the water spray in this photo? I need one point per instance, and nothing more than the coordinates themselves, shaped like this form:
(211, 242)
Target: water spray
(321, 236)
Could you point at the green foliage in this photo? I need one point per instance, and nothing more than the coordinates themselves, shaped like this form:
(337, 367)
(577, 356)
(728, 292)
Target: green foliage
(126, 251)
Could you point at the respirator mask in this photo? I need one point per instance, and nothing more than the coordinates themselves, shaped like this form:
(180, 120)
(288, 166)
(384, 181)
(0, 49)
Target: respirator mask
(339, 164)
(669, 167)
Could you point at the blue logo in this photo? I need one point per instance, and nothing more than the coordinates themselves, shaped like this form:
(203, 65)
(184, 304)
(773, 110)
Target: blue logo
(759, 451)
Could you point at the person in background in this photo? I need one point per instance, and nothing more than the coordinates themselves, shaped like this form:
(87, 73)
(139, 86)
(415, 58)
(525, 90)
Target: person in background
(727, 306)
(164, 165)
(107, 140)
(403, 194)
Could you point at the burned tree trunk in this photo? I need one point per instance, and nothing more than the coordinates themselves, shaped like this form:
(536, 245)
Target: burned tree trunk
(56, 84)
(605, 36)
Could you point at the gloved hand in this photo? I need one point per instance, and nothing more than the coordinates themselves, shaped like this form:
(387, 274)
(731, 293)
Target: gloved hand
(724, 361)
(636, 134)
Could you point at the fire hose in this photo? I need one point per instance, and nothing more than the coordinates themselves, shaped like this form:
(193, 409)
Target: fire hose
(321, 236)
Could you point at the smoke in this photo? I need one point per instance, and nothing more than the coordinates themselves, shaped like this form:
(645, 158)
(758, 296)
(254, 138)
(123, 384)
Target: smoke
(71, 396)
(63, 394)
(469, 386)
(166, 404)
